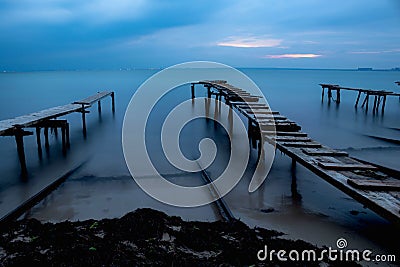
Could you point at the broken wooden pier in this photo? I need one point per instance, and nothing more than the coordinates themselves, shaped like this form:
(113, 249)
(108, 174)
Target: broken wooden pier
(379, 96)
(48, 119)
(376, 187)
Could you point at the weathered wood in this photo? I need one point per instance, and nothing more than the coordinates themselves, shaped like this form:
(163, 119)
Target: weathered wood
(277, 133)
(332, 165)
(338, 166)
(19, 139)
(93, 99)
(323, 152)
(358, 98)
(271, 118)
(301, 144)
(252, 107)
(112, 102)
(192, 90)
(292, 139)
(287, 127)
(378, 185)
(46, 138)
(36, 117)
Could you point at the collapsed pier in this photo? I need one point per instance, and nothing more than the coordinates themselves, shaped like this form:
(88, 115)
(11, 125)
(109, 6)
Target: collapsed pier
(48, 119)
(376, 187)
(379, 96)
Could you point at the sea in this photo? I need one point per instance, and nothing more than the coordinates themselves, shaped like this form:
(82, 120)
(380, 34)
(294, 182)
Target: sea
(293, 201)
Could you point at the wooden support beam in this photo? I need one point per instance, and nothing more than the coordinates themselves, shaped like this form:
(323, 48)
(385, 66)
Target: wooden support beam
(99, 106)
(375, 103)
(112, 102)
(192, 90)
(377, 185)
(358, 98)
(83, 111)
(39, 143)
(63, 138)
(67, 134)
(384, 103)
(329, 94)
(19, 139)
(323, 152)
(46, 138)
(365, 101)
(338, 95)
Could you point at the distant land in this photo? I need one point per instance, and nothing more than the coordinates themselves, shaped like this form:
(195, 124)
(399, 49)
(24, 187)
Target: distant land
(161, 68)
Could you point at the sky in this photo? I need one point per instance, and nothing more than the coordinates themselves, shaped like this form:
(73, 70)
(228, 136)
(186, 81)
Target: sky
(113, 34)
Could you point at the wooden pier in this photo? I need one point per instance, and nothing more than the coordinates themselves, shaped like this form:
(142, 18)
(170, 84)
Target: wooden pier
(376, 187)
(47, 119)
(379, 96)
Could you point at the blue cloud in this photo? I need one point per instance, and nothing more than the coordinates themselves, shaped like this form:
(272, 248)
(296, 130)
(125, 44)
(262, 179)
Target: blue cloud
(51, 34)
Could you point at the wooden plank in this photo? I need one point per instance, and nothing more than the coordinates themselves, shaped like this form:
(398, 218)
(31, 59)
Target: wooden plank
(339, 167)
(246, 99)
(323, 152)
(377, 185)
(288, 127)
(92, 99)
(300, 144)
(252, 104)
(267, 115)
(252, 107)
(292, 139)
(300, 134)
(33, 118)
(47, 114)
(269, 118)
(259, 111)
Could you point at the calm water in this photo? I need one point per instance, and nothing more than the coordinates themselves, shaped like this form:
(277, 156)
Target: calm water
(312, 210)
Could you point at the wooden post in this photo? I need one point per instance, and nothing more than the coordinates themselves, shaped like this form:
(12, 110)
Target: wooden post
(208, 91)
(83, 120)
(46, 138)
(39, 143)
(192, 89)
(384, 103)
(329, 94)
(55, 130)
(323, 94)
(112, 102)
(99, 106)
(338, 95)
(67, 134)
(63, 138)
(19, 139)
(293, 164)
(367, 104)
(358, 98)
(249, 127)
(375, 102)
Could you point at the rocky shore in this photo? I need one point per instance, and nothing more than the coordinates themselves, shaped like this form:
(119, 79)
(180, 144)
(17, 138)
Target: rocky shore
(144, 237)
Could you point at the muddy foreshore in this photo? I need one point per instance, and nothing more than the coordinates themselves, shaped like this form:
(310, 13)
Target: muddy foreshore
(142, 238)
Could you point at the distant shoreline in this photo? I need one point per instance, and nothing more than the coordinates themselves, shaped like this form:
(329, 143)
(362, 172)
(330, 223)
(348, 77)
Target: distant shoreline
(161, 68)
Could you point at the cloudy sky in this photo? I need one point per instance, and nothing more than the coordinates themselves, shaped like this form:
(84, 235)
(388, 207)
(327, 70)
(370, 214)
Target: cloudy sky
(110, 34)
